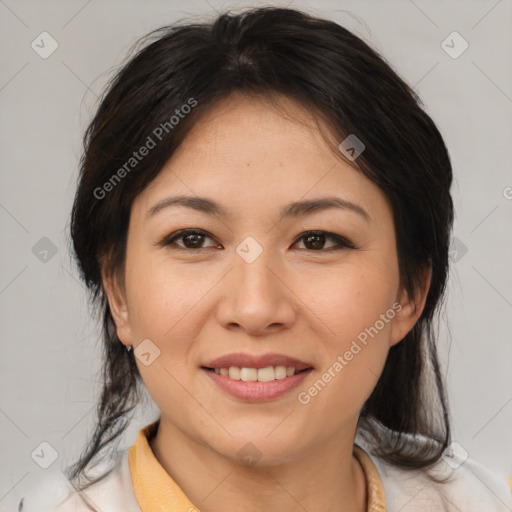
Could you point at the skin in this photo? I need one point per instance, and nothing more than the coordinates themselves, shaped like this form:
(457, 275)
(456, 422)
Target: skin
(293, 299)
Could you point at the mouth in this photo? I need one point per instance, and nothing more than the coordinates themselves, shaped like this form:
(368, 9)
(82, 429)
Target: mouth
(257, 378)
(266, 374)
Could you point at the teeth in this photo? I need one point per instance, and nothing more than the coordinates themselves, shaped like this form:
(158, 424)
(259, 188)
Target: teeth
(249, 374)
(280, 372)
(234, 373)
(257, 374)
(266, 374)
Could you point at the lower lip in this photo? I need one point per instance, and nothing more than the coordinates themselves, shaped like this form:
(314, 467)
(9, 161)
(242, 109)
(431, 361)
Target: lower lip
(256, 391)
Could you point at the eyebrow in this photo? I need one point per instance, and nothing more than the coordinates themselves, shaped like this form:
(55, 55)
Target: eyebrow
(296, 209)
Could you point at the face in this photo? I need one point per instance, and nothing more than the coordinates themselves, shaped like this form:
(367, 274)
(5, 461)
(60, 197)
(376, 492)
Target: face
(252, 280)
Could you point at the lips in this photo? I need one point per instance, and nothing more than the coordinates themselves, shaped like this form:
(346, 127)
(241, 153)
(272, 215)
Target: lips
(250, 361)
(257, 378)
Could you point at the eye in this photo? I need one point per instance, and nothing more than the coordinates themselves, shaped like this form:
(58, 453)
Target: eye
(191, 238)
(316, 241)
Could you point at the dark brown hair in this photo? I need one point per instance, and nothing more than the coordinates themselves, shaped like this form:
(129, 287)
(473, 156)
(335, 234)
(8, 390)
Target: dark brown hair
(267, 52)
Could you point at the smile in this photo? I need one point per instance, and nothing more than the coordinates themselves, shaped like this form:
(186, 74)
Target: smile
(256, 390)
(266, 374)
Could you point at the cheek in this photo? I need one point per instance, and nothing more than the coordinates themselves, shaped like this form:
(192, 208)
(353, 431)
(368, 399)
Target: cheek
(350, 299)
(164, 296)
(355, 307)
(163, 303)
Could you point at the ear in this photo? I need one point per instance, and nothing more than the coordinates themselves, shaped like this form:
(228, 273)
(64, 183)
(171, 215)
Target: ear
(116, 296)
(410, 308)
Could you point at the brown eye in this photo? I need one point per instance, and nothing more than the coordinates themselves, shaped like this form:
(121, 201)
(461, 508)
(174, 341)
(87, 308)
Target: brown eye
(315, 241)
(190, 239)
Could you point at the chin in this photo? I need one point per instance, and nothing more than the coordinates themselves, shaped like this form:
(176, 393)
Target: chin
(257, 448)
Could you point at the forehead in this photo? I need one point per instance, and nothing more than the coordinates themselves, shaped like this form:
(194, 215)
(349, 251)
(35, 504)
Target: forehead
(252, 152)
(262, 117)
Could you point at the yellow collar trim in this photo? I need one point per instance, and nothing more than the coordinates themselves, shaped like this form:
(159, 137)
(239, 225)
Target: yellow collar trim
(375, 489)
(154, 488)
(156, 491)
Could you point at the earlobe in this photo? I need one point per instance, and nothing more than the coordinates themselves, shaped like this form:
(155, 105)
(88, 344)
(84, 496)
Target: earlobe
(410, 309)
(118, 308)
(406, 316)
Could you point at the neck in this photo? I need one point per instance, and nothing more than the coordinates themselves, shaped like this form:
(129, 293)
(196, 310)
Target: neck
(326, 477)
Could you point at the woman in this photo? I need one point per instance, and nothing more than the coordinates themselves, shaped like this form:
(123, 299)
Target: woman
(263, 217)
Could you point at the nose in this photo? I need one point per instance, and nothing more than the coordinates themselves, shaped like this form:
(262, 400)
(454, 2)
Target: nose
(256, 297)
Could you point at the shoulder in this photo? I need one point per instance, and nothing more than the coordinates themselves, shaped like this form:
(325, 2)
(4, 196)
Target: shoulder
(469, 486)
(54, 493)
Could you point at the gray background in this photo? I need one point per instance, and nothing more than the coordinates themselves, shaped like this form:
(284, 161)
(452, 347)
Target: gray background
(50, 352)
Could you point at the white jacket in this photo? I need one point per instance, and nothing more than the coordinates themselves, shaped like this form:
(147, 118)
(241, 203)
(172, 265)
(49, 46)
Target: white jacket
(473, 488)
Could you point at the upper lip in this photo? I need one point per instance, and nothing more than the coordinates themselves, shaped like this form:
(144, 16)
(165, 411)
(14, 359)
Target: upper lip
(262, 361)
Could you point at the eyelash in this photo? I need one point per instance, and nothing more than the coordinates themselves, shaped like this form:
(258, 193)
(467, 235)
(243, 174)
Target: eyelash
(342, 242)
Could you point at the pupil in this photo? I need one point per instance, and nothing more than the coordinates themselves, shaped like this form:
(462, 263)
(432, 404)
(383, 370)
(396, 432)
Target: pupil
(317, 244)
(195, 243)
